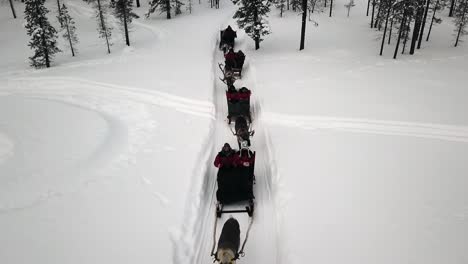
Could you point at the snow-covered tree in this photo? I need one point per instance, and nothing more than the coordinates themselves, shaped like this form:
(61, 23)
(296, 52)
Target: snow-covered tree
(104, 29)
(43, 35)
(461, 19)
(177, 6)
(123, 11)
(281, 5)
(165, 6)
(296, 5)
(251, 16)
(350, 5)
(162, 5)
(68, 28)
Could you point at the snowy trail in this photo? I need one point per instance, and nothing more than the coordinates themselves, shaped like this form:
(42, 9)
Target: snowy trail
(381, 127)
(262, 245)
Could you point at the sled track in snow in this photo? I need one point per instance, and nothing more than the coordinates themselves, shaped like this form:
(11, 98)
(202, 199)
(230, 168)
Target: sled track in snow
(368, 126)
(263, 243)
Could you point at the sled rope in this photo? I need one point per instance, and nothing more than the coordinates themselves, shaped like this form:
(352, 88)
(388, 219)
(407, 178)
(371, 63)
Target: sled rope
(241, 252)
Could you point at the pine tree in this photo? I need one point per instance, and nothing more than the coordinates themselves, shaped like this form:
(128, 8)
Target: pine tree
(162, 5)
(165, 6)
(281, 4)
(251, 16)
(123, 11)
(104, 29)
(349, 5)
(296, 5)
(43, 35)
(68, 28)
(461, 19)
(178, 6)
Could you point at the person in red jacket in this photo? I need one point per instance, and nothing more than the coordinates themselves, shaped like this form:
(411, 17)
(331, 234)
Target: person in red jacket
(226, 158)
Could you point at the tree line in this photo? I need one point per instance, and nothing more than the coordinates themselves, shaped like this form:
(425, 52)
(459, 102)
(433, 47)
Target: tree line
(405, 21)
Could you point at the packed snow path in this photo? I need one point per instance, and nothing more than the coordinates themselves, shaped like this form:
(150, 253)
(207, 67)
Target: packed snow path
(262, 244)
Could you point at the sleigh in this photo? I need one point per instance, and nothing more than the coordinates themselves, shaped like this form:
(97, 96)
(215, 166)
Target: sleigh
(235, 66)
(238, 103)
(235, 186)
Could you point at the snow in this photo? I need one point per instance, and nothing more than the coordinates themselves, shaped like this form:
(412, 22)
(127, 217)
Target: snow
(108, 158)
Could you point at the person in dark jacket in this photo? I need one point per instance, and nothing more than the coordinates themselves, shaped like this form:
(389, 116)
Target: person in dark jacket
(229, 35)
(226, 158)
(230, 59)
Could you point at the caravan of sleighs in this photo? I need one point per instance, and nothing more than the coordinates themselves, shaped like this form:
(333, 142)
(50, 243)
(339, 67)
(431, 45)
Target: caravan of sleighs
(235, 175)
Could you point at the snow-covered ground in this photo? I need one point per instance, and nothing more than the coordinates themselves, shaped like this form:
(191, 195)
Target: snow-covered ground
(372, 153)
(108, 158)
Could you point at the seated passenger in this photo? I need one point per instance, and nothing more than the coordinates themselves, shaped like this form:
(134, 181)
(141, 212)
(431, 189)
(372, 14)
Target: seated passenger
(240, 58)
(226, 158)
(244, 94)
(230, 59)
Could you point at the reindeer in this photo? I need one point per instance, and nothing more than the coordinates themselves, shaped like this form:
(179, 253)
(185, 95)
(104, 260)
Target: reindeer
(229, 242)
(243, 133)
(228, 76)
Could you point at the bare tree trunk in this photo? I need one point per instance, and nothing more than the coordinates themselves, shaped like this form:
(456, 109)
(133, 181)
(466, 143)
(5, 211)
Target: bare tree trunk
(390, 33)
(331, 7)
(385, 30)
(417, 25)
(368, 6)
(433, 18)
(373, 11)
(407, 31)
(69, 38)
(378, 14)
(423, 24)
(138, 3)
(168, 9)
(59, 11)
(303, 27)
(12, 9)
(402, 25)
(452, 5)
(103, 25)
(257, 38)
(461, 26)
(127, 37)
